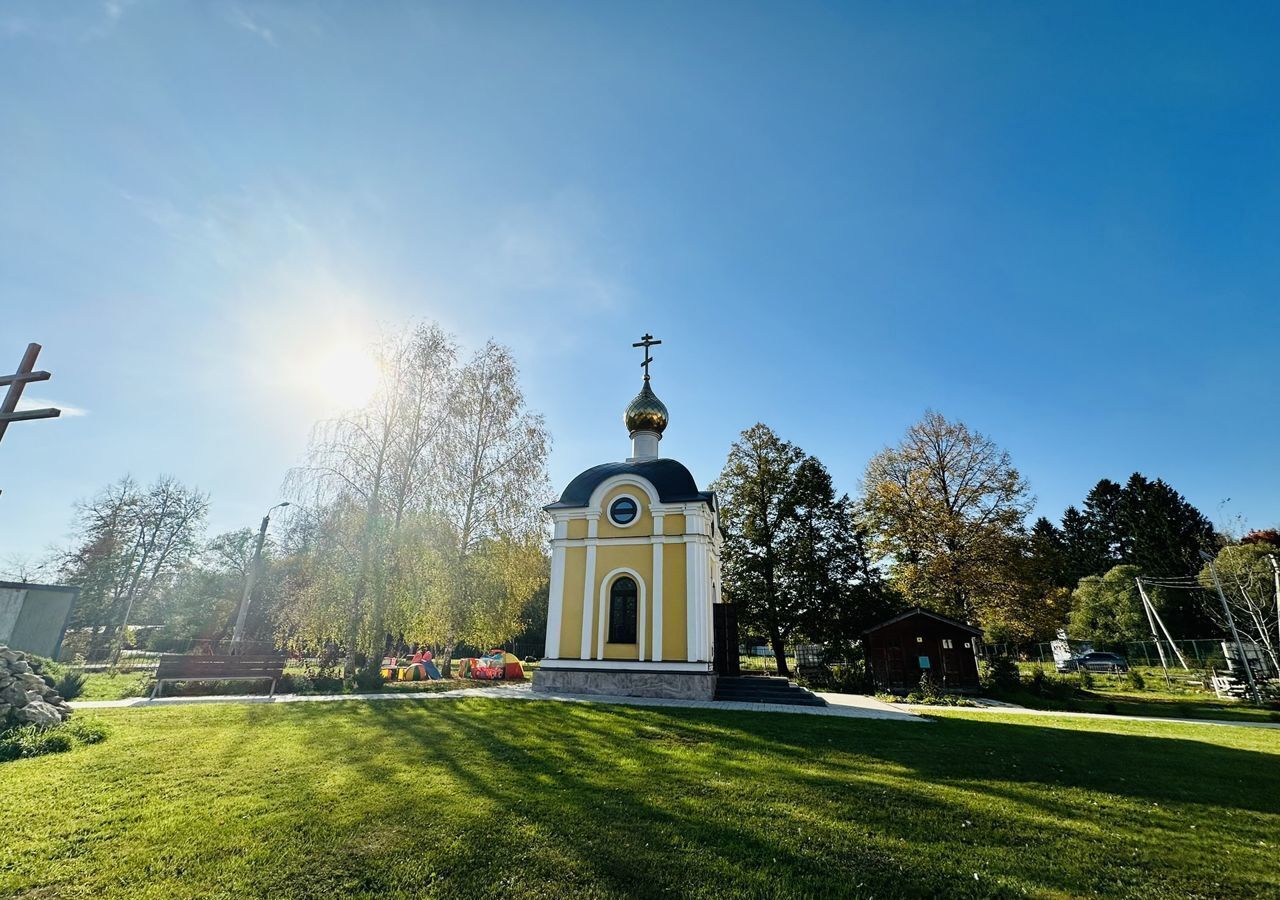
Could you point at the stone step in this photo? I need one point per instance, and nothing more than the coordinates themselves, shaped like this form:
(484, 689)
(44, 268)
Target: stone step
(764, 689)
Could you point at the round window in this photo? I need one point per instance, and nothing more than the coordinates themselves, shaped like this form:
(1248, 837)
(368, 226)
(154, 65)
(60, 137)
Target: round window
(623, 511)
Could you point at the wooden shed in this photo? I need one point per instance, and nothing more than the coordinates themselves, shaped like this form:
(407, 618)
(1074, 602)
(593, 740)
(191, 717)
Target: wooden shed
(900, 650)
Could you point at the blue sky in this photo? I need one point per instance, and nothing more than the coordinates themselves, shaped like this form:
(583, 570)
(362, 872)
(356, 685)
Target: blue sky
(1057, 222)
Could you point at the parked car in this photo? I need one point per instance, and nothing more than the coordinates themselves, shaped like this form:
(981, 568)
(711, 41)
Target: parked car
(1095, 661)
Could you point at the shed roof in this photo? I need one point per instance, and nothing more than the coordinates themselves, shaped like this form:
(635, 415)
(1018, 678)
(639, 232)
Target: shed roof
(946, 620)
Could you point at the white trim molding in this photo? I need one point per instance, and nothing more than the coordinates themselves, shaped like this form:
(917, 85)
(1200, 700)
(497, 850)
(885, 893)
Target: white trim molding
(603, 488)
(625, 665)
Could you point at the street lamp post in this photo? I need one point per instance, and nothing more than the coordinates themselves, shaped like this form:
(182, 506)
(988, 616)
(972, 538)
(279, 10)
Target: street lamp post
(251, 576)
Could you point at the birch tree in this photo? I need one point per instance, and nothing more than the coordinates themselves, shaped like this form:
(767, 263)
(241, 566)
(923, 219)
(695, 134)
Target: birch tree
(1250, 585)
(414, 497)
(492, 485)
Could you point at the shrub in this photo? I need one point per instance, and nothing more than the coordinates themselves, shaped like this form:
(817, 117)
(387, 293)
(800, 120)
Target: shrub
(70, 685)
(31, 740)
(1038, 683)
(933, 700)
(842, 679)
(368, 680)
(87, 731)
(1135, 680)
(1086, 679)
(929, 689)
(849, 680)
(295, 683)
(25, 741)
(326, 684)
(1000, 673)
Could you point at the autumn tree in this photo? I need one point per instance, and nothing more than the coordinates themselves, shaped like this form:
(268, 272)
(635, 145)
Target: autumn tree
(947, 506)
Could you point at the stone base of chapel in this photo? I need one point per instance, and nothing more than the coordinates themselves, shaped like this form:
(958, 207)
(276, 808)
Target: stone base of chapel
(630, 682)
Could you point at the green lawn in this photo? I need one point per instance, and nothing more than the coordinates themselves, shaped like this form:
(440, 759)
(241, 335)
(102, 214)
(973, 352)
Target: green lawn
(1180, 698)
(115, 686)
(510, 799)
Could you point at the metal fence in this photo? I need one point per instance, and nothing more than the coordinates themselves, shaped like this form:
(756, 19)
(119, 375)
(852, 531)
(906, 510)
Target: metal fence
(103, 658)
(1199, 653)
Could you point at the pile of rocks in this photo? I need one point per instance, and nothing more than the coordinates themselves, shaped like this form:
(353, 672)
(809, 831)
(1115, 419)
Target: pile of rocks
(25, 697)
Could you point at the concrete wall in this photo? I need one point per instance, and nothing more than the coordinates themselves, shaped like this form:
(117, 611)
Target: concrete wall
(33, 617)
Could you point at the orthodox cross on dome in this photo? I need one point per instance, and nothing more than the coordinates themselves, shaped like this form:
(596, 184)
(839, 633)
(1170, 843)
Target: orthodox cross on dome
(646, 342)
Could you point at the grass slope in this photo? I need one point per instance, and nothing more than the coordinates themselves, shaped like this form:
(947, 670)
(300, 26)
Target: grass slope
(475, 797)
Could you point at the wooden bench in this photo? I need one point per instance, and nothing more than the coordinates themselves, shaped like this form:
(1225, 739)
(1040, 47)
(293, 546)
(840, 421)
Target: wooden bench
(218, 668)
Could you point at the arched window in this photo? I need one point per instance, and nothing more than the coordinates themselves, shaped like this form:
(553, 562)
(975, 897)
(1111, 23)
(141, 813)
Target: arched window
(622, 611)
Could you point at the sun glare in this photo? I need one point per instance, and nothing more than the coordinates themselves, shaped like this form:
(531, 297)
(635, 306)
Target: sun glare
(342, 373)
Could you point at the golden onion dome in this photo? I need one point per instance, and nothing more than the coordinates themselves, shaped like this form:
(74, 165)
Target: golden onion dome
(646, 412)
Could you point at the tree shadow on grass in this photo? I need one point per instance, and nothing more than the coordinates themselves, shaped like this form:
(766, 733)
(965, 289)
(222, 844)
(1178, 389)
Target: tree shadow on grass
(621, 800)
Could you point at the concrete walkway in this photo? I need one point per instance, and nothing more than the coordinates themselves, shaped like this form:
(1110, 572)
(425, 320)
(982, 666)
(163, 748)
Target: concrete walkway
(849, 706)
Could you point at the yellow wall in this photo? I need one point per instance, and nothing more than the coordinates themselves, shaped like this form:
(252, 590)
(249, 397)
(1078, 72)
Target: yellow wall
(643, 524)
(630, 556)
(674, 596)
(638, 557)
(575, 570)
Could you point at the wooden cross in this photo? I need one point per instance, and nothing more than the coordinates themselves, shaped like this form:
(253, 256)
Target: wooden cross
(16, 382)
(646, 342)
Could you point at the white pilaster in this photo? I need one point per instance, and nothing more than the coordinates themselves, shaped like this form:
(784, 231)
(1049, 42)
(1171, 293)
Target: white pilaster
(657, 602)
(588, 600)
(555, 595)
(656, 653)
(692, 600)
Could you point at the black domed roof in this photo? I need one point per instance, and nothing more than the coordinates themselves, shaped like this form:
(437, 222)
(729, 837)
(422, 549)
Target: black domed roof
(673, 482)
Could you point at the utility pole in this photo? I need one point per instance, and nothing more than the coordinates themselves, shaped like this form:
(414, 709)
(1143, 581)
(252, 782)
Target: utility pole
(251, 576)
(1151, 607)
(1244, 660)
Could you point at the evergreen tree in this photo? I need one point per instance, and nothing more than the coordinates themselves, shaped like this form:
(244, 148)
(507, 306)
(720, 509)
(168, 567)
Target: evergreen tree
(1108, 540)
(1081, 556)
(793, 559)
(1144, 524)
(1165, 533)
(1048, 564)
